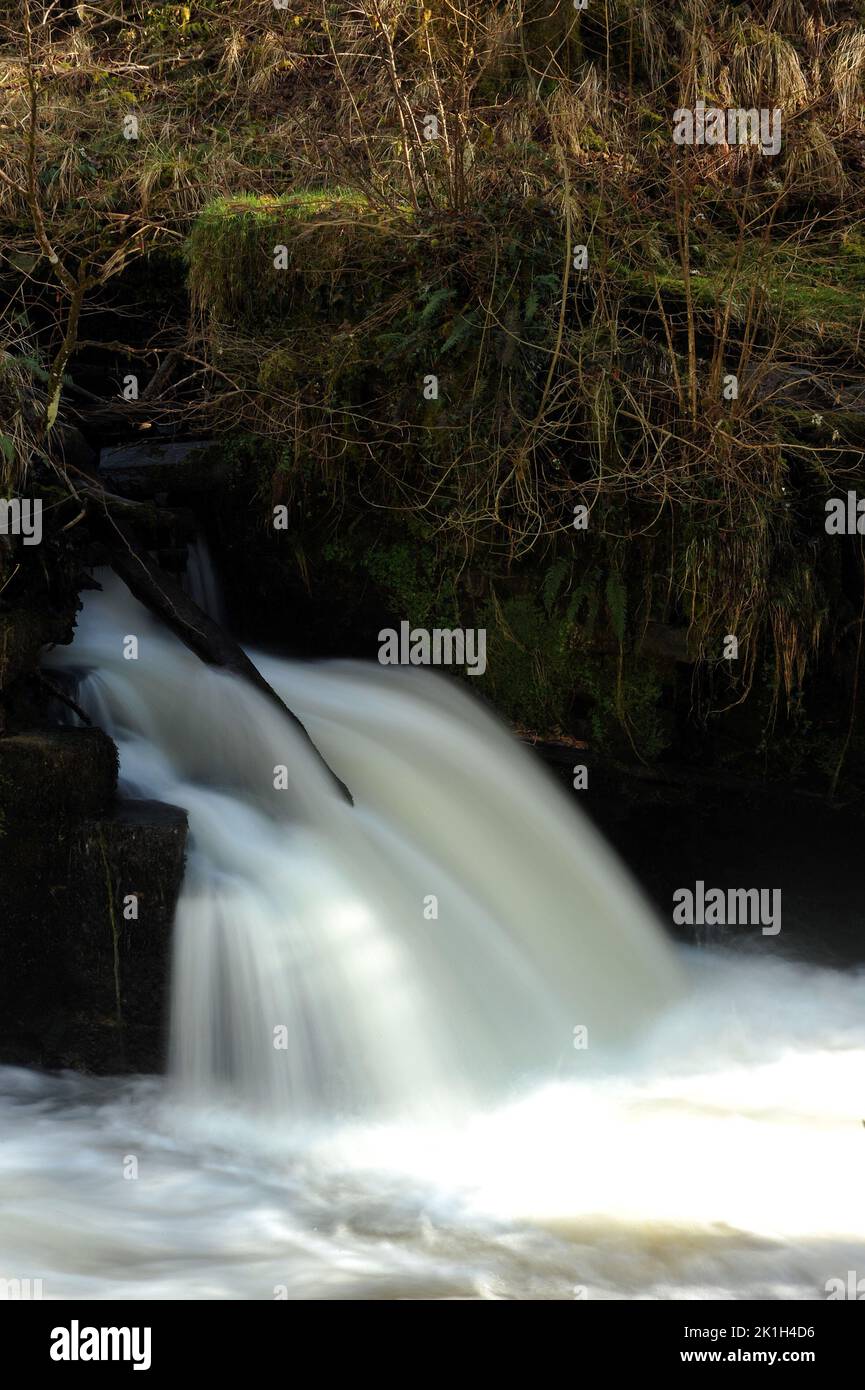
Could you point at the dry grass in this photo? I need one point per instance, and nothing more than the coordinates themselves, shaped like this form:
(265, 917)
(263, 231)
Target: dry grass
(554, 131)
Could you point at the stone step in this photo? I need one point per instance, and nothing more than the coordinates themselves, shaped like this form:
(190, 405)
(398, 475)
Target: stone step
(51, 774)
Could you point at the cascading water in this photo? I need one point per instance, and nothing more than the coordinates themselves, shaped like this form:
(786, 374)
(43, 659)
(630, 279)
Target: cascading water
(429, 1128)
(200, 581)
(442, 937)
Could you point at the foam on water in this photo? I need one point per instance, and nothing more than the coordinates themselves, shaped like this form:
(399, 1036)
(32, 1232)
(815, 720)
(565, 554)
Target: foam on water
(723, 1160)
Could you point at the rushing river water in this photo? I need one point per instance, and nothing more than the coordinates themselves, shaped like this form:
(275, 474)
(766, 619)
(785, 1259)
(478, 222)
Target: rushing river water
(376, 1090)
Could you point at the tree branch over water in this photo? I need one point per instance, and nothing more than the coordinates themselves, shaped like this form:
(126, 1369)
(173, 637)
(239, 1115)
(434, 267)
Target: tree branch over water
(149, 583)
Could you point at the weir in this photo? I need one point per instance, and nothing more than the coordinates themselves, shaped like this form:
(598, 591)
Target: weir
(309, 975)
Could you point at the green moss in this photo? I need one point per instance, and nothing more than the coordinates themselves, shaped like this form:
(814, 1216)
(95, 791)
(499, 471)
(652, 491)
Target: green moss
(626, 716)
(412, 582)
(328, 235)
(530, 663)
(406, 576)
(818, 295)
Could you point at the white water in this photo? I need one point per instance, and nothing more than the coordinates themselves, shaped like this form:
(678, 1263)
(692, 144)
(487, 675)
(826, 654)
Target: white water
(199, 579)
(429, 1130)
(303, 913)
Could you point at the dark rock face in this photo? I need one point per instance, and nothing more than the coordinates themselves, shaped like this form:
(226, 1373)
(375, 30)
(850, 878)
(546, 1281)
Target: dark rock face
(156, 466)
(25, 630)
(56, 773)
(673, 826)
(88, 890)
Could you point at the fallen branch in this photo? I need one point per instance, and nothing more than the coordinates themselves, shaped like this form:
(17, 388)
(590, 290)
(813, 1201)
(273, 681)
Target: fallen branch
(64, 699)
(201, 634)
(145, 511)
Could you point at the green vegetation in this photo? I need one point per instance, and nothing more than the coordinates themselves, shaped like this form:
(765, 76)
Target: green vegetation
(430, 171)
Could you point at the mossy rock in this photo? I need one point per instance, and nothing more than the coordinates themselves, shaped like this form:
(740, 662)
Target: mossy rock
(84, 980)
(56, 773)
(23, 633)
(816, 300)
(333, 239)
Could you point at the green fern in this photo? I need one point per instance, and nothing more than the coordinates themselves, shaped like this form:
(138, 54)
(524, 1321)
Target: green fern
(465, 325)
(552, 583)
(435, 302)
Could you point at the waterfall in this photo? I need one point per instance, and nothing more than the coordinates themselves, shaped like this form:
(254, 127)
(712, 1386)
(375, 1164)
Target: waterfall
(200, 581)
(437, 943)
(428, 1130)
